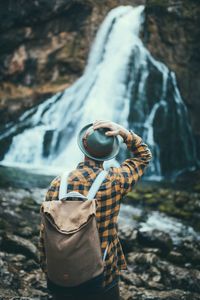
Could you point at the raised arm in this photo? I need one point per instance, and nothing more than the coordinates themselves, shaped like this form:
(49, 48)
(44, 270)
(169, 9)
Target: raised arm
(133, 168)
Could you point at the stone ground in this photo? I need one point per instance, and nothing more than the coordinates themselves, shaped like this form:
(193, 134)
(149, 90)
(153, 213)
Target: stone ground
(158, 266)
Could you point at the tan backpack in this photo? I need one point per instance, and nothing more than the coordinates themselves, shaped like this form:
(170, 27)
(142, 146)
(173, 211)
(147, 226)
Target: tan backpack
(71, 237)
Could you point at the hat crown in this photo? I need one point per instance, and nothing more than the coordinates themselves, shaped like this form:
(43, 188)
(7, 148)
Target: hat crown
(98, 143)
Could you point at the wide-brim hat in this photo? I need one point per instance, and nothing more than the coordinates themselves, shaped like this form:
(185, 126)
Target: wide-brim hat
(97, 145)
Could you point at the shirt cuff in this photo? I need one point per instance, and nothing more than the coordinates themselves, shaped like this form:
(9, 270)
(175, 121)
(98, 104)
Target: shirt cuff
(132, 139)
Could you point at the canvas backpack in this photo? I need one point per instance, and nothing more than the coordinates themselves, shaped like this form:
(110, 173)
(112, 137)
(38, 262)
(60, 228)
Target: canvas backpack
(71, 238)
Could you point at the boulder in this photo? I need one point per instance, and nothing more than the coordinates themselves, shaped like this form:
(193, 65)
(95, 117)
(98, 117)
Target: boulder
(16, 244)
(128, 238)
(156, 239)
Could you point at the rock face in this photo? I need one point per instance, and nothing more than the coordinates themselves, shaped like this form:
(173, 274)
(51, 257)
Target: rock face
(172, 33)
(43, 48)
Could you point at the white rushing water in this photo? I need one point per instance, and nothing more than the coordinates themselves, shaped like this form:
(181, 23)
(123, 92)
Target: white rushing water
(113, 85)
(129, 215)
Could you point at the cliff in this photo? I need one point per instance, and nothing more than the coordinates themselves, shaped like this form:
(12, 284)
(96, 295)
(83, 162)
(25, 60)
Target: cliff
(172, 31)
(44, 47)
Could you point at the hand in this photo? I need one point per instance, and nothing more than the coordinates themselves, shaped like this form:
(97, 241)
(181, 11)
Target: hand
(115, 129)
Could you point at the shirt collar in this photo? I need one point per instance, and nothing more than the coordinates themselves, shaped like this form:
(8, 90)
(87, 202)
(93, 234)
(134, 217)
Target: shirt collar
(91, 164)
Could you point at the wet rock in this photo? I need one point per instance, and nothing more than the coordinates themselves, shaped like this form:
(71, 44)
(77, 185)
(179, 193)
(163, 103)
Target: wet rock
(145, 259)
(176, 257)
(151, 250)
(150, 274)
(11, 216)
(157, 239)
(25, 232)
(131, 278)
(125, 293)
(181, 278)
(130, 293)
(16, 244)
(155, 273)
(17, 258)
(8, 274)
(33, 284)
(128, 238)
(144, 266)
(31, 265)
(30, 204)
(181, 199)
(7, 294)
(190, 250)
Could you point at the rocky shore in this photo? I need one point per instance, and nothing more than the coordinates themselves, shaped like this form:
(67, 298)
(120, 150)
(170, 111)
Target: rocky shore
(159, 230)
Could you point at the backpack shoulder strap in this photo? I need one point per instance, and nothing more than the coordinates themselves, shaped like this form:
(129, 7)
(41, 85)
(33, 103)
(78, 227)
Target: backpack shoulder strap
(96, 184)
(63, 185)
(93, 189)
(63, 189)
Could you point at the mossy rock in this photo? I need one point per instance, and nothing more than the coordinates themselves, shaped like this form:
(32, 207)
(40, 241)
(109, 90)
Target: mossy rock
(197, 188)
(134, 196)
(164, 192)
(137, 218)
(152, 201)
(148, 196)
(29, 203)
(3, 224)
(170, 209)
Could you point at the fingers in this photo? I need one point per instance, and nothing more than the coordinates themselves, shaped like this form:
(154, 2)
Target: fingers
(115, 129)
(102, 124)
(112, 133)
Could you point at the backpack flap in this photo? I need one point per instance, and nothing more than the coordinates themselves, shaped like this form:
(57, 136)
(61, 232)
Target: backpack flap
(68, 216)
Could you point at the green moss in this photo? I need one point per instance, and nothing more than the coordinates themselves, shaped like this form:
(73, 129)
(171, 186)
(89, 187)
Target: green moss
(197, 188)
(170, 209)
(137, 218)
(152, 201)
(134, 196)
(148, 196)
(176, 203)
(164, 192)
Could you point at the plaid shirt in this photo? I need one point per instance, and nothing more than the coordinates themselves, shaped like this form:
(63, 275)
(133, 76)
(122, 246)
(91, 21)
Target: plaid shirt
(119, 181)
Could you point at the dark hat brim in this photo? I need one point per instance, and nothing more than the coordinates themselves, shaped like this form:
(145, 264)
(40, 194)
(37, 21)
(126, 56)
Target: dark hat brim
(81, 146)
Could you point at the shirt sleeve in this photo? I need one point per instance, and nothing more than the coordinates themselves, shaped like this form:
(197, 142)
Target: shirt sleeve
(133, 168)
(52, 194)
(42, 255)
(53, 190)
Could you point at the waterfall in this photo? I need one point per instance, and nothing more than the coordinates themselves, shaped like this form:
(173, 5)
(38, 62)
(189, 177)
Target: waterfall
(122, 82)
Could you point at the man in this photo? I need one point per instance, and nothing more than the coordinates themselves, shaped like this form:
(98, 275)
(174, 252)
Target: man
(99, 142)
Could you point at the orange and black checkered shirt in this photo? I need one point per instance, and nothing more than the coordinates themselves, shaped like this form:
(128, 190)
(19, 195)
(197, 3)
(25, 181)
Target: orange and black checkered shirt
(119, 181)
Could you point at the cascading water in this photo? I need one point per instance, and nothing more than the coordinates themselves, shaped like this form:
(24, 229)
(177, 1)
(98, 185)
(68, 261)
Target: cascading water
(122, 82)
